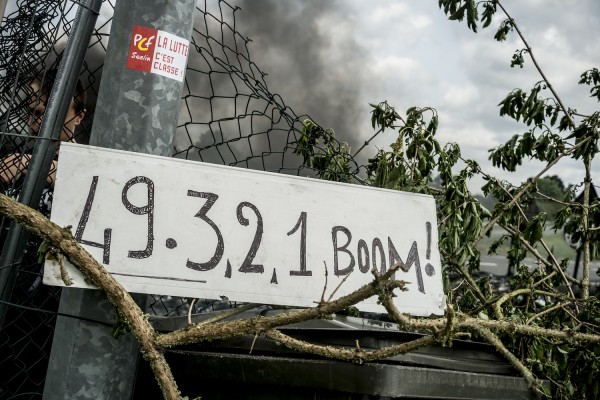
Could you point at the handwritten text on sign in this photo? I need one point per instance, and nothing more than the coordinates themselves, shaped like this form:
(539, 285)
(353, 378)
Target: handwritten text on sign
(158, 52)
(182, 228)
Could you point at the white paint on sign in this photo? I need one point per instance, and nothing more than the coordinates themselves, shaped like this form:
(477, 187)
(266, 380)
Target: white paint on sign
(190, 229)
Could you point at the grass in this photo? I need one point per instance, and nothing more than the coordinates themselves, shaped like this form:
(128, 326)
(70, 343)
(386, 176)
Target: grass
(558, 246)
(555, 242)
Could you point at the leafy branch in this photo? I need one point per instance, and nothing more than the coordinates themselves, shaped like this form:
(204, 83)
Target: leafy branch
(533, 323)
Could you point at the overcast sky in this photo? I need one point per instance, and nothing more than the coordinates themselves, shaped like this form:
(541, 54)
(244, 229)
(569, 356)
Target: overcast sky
(329, 59)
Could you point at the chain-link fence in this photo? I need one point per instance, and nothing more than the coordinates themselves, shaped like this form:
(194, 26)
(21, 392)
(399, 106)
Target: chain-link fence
(228, 116)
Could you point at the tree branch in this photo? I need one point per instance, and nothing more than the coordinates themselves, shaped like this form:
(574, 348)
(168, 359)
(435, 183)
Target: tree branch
(585, 279)
(63, 240)
(537, 66)
(546, 311)
(533, 383)
(526, 187)
(357, 355)
(554, 265)
(195, 333)
(464, 322)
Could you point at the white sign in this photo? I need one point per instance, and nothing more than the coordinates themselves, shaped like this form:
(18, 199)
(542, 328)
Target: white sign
(176, 227)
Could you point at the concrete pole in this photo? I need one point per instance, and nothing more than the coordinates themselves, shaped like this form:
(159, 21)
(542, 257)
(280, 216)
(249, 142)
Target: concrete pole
(136, 111)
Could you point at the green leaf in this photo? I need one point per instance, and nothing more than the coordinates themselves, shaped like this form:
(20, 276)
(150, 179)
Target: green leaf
(472, 15)
(502, 32)
(489, 9)
(459, 14)
(535, 229)
(517, 59)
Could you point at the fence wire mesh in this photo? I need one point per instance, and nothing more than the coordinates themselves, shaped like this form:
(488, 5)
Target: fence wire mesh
(228, 116)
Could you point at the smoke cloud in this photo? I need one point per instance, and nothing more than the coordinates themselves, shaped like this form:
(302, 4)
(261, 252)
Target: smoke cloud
(256, 66)
(315, 72)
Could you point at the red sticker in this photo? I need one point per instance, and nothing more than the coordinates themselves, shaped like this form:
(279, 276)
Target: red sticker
(141, 48)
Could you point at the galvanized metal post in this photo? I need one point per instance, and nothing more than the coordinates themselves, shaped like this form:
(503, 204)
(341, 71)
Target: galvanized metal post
(45, 148)
(2, 8)
(140, 113)
(136, 111)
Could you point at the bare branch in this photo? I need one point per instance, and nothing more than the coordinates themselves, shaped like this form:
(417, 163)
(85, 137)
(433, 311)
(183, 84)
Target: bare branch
(195, 333)
(367, 142)
(356, 355)
(190, 311)
(229, 313)
(464, 322)
(340, 285)
(447, 340)
(546, 311)
(533, 383)
(507, 296)
(78, 256)
(325, 284)
(585, 280)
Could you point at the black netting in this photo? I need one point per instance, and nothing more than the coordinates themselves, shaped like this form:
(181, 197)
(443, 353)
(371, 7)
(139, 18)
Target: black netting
(32, 39)
(228, 116)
